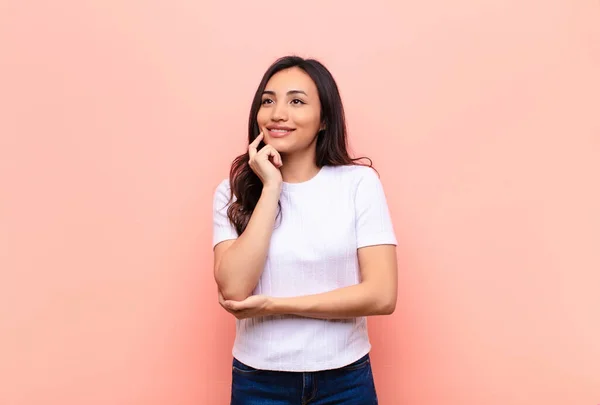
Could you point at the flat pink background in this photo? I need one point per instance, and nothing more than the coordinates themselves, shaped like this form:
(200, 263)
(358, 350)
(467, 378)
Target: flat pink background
(118, 119)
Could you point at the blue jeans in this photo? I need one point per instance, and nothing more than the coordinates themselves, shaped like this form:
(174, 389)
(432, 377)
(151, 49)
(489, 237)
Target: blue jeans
(349, 385)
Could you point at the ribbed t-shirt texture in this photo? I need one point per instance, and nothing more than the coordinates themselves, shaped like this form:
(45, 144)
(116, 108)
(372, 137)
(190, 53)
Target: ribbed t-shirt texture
(313, 249)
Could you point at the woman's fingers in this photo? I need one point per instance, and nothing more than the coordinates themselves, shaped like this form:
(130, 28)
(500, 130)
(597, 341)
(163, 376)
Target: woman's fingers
(265, 163)
(252, 148)
(273, 155)
(221, 298)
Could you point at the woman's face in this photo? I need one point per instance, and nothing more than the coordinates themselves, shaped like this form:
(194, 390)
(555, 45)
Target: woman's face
(290, 111)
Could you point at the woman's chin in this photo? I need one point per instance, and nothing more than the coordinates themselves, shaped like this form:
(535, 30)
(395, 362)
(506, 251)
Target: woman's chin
(279, 144)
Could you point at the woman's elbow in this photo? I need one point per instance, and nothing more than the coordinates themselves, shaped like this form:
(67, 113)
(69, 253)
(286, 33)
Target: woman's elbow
(231, 290)
(234, 294)
(389, 308)
(386, 305)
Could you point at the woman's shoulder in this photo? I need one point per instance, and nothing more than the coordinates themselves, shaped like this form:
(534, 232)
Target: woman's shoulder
(352, 172)
(223, 185)
(223, 190)
(357, 178)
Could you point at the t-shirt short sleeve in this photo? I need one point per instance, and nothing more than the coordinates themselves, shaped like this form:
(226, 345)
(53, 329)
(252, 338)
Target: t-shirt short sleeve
(373, 220)
(223, 229)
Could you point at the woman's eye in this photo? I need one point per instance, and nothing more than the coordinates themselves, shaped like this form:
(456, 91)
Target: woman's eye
(297, 101)
(267, 101)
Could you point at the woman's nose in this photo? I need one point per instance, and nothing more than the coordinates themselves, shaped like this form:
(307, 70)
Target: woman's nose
(280, 112)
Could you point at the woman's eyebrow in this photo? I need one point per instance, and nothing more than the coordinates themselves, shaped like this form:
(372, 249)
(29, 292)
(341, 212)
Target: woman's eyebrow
(272, 93)
(296, 92)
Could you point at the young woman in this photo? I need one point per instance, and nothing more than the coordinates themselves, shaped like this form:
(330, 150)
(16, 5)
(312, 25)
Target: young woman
(304, 248)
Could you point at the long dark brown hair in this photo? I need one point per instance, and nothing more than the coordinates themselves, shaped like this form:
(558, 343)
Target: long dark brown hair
(332, 142)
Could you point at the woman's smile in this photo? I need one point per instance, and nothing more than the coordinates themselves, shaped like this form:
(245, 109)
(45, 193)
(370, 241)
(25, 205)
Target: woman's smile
(279, 131)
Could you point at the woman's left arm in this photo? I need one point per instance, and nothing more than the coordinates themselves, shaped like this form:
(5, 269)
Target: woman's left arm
(374, 295)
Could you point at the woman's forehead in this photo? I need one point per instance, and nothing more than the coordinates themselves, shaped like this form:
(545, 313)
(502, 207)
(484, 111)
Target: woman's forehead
(290, 80)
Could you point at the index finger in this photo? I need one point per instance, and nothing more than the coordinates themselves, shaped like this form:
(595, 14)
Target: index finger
(256, 141)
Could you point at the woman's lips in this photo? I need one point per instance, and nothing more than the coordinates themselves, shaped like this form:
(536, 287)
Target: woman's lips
(279, 133)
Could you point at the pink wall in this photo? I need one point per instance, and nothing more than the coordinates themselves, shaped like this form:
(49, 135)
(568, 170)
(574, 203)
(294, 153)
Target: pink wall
(118, 118)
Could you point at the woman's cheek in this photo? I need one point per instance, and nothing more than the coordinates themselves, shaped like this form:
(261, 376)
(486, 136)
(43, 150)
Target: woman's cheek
(260, 115)
(306, 118)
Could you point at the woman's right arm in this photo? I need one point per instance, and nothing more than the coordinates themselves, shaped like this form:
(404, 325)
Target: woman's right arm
(239, 263)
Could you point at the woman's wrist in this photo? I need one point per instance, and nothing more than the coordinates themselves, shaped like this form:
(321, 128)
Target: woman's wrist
(276, 306)
(272, 189)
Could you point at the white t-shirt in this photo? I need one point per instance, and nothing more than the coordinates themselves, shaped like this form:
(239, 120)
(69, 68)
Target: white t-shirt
(313, 250)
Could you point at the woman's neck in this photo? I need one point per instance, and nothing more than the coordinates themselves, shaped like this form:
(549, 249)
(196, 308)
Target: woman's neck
(298, 168)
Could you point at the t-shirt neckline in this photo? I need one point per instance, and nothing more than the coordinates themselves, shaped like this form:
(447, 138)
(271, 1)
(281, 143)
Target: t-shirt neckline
(304, 184)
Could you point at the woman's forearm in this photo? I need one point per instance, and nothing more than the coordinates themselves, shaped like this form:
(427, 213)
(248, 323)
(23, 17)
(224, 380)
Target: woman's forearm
(242, 263)
(364, 299)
